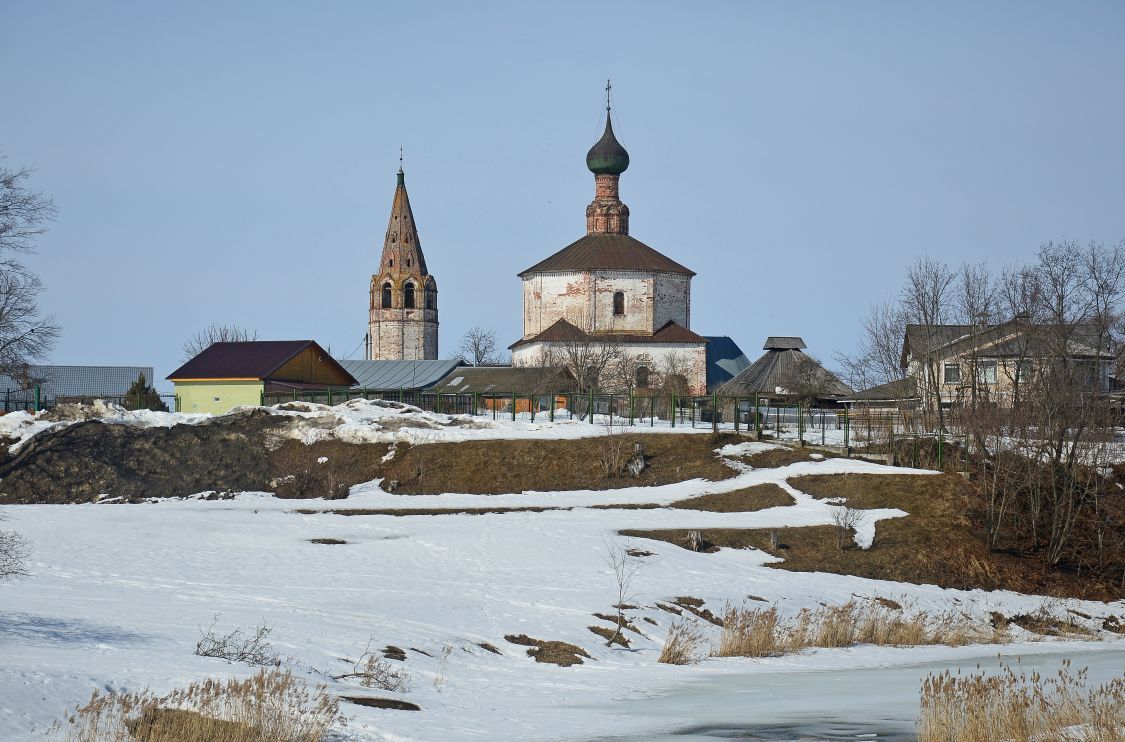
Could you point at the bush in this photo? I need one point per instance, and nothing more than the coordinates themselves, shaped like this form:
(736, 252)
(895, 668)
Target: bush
(374, 671)
(761, 632)
(253, 649)
(14, 550)
(141, 396)
(682, 645)
(1021, 708)
(272, 706)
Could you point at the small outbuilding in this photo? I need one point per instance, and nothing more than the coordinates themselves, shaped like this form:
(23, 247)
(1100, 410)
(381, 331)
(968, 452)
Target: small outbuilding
(226, 375)
(395, 375)
(785, 373)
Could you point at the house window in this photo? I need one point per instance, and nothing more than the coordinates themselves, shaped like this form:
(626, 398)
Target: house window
(619, 302)
(642, 377)
(986, 372)
(408, 298)
(1023, 371)
(387, 295)
(952, 373)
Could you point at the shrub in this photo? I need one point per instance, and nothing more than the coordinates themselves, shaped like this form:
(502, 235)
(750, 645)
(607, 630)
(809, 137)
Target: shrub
(682, 645)
(253, 649)
(271, 706)
(761, 632)
(374, 671)
(14, 550)
(1014, 706)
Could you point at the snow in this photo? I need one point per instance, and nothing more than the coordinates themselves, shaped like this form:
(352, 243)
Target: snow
(119, 592)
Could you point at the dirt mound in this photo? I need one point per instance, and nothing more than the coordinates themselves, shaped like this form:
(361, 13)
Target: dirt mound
(245, 451)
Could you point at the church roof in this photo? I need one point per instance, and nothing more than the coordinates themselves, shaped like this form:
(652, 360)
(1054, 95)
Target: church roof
(607, 252)
(402, 232)
(564, 332)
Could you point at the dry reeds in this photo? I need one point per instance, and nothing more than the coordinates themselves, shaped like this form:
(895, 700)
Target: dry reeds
(1015, 706)
(271, 706)
(762, 632)
(682, 645)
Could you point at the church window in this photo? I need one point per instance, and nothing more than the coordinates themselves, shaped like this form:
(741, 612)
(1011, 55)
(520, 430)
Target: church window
(619, 302)
(409, 262)
(431, 298)
(408, 297)
(391, 263)
(642, 377)
(386, 296)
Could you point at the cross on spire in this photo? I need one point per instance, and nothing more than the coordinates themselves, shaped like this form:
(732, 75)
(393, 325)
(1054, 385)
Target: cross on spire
(608, 91)
(400, 158)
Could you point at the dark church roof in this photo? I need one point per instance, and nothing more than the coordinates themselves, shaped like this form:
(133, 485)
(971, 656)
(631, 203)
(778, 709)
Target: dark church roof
(564, 332)
(607, 252)
(725, 360)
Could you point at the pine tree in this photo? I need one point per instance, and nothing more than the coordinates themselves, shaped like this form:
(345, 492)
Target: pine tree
(141, 396)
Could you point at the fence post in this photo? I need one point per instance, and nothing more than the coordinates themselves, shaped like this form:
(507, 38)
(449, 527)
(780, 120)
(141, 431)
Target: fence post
(513, 406)
(847, 429)
(940, 447)
(554, 398)
(632, 399)
(652, 411)
(329, 396)
(715, 413)
(673, 410)
(590, 411)
(736, 411)
(38, 399)
(611, 410)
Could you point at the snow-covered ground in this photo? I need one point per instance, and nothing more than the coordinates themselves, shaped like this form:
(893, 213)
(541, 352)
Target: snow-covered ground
(118, 594)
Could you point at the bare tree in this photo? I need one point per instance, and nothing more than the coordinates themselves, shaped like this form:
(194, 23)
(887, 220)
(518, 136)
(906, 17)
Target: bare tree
(14, 550)
(927, 301)
(478, 347)
(588, 359)
(216, 333)
(25, 334)
(625, 568)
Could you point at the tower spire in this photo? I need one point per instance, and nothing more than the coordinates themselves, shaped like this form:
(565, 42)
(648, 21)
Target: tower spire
(607, 160)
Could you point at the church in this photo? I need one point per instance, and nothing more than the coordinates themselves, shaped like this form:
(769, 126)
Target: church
(609, 289)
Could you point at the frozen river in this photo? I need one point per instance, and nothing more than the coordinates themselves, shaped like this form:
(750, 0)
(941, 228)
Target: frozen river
(858, 704)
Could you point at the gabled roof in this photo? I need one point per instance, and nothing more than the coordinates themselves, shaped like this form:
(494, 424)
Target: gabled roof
(774, 370)
(607, 252)
(251, 359)
(725, 360)
(506, 380)
(390, 375)
(564, 332)
(76, 381)
(1016, 337)
(897, 390)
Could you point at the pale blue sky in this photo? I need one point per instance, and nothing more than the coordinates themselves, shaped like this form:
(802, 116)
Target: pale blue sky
(234, 162)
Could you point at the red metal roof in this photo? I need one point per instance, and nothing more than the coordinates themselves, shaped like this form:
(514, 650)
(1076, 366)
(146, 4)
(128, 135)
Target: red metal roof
(563, 332)
(608, 252)
(255, 359)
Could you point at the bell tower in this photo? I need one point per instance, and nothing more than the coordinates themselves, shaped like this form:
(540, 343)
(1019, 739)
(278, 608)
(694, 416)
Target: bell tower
(403, 313)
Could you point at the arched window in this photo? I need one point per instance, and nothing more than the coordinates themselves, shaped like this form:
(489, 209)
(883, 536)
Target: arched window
(619, 302)
(431, 297)
(408, 296)
(642, 377)
(387, 295)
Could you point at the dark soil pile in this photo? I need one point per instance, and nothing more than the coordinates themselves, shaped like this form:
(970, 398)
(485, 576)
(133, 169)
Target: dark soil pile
(231, 453)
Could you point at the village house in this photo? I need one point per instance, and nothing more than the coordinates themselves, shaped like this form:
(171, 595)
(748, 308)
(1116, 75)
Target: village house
(994, 363)
(609, 289)
(226, 375)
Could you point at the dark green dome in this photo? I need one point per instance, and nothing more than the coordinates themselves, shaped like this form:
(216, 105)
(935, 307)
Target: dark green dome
(607, 156)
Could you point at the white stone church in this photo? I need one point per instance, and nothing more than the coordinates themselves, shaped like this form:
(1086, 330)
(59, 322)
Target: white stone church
(611, 288)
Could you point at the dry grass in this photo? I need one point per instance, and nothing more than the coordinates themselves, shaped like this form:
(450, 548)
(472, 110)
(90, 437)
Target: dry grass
(778, 457)
(495, 467)
(682, 647)
(1020, 708)
(559, 653)
(271, 706)
(762, 632)
(402, 512)
(936, 544)
(758, 497)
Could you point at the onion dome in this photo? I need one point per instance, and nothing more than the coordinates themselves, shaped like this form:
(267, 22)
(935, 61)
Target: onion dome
(607, 156)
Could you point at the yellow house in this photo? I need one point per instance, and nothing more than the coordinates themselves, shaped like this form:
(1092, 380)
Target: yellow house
(227, 375)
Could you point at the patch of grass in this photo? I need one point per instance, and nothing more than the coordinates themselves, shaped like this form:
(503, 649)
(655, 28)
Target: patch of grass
(271, 706)
(625, 622)
(328, 541)
(778, 457)
(489, 647)
(383, 703)
(559, 653)
(696, 606)
(937, 543)
(505, 466)
(1045, 624)
(758, 497)
(610, 635)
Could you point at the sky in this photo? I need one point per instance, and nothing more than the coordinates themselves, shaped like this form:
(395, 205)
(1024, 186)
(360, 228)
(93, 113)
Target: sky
(235, 162)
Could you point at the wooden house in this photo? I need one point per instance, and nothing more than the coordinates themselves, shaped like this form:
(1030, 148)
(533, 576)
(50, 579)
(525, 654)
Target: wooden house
(226, 375)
